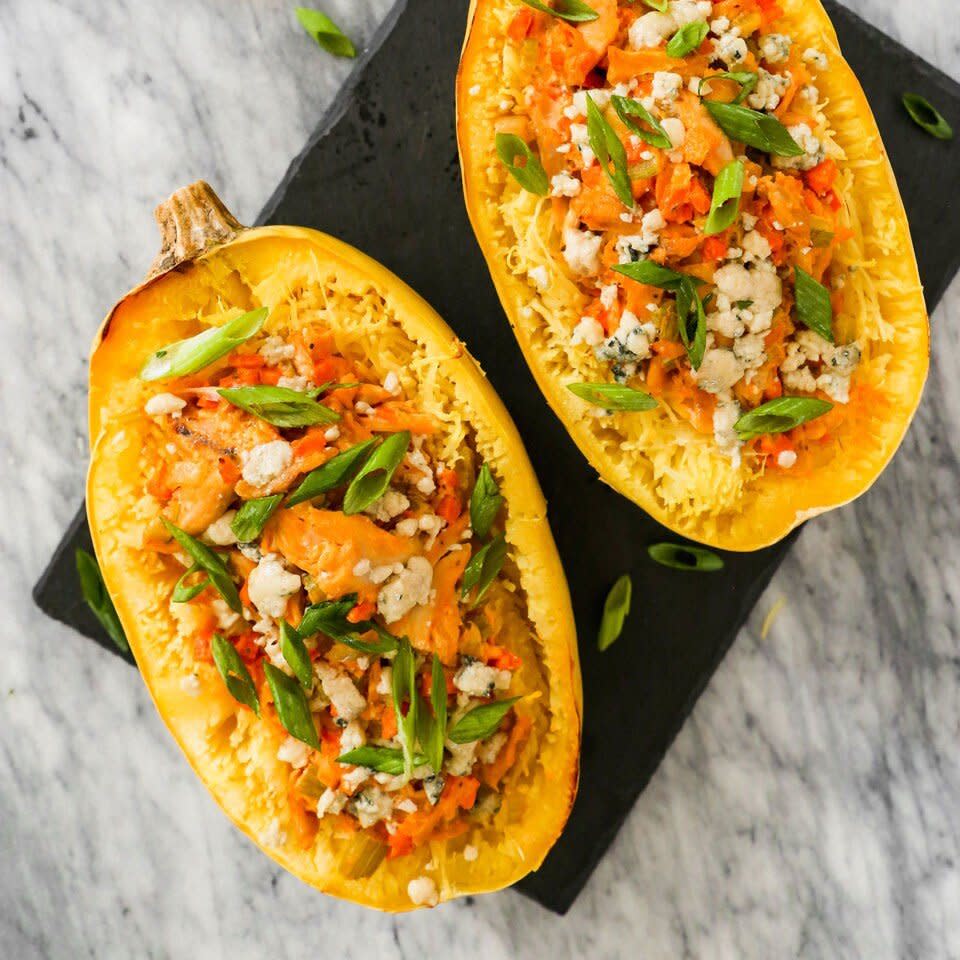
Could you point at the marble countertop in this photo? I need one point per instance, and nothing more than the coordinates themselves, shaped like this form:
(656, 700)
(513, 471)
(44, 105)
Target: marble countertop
(808, 809)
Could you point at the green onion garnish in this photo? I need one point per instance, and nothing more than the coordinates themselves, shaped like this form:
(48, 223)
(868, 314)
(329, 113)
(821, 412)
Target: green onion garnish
(610, 153)
(753, 128)
(193, 354)
(780, 415)
(615, 610)
(522, 163)
(325, 32)
(680, 557)
(926, 116)
(814, 308)
(613, 396)
(725, 206)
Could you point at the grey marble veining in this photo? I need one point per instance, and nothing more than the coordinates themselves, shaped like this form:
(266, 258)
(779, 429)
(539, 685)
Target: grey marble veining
(808, 809)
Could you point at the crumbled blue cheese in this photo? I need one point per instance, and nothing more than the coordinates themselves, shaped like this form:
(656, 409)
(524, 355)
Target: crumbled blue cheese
(813, 150)
(540, 276)
(476, 678)
(769, 90)
(815, 58)
(433, 785)
(190, 685)
(725, 415)
(759, 289)
(390, 505)
(563, 185)
(371, 805)
(294, 752)
(405, 590)
(589, 331)
(666, 86)
(749, 350)
(775, 47)
(689, 11)
(581, 250)
(633, 247)
(352, 737)
(719, 371)
(275, 350)
(220, 533)
(266, 461)
(627, 346)
(731, 48)
(786, 459)
(331, 801)
(462, 757)
(423, 892)
(470, 853)
(490, 749)
(347, 700)
(161, 404)
(651, 30)
(675, 130)
(298, 383)
(270, 584)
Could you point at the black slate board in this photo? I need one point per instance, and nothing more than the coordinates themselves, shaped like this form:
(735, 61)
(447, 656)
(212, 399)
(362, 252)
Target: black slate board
(386, 179)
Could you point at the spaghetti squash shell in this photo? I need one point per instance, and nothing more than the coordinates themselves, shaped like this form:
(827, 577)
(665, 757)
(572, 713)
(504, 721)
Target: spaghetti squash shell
(664, 466)
(210, 263)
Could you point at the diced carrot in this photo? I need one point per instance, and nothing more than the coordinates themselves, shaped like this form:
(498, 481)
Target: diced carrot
(500, 657)
(246, 644)
(668, 349)
(460, 793)
(209, 403)
(229, 470)
(364, 610)
(247, 360)
(449, 508)
(201, 643)
(822, 177)
(494, 772)
(715, 248)
(313, 442)
(520, 25)
(270, 375)
(157, 485)
(388, 721)
(448, 481)
(245, 594)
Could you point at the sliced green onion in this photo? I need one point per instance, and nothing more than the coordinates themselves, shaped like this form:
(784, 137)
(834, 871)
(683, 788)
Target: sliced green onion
(689, 305)
(433, 745)
(725, 206)
(335, 472)
(252, 517)
(193, 354)
(574, 11)
(615, 610)
(325, 32)
(381, 759)
(485, 502)
(403, 683)
(753, 128)
(610, 152)
(687, 39)
(233, 670)
(926, 116)
(814, 308)
(660, 5)
(292, 707)
(295, 653)
(483, 568)
(481, 722)
(613, 396)
(279, 406)
(97, 598)
(210, 562)
(780, 415)
(681, 557)
(650, 273)
(629, 111)
(529, 173)
(374, 476)
(184, 594)
(330, 618)
(747, 80)
(821, 238)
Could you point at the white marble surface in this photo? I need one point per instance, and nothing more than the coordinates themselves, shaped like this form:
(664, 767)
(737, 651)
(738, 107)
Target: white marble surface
(807, 810)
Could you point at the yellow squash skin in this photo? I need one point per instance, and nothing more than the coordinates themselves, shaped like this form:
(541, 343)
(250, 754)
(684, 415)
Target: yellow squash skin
(232, 752)
(654, 464)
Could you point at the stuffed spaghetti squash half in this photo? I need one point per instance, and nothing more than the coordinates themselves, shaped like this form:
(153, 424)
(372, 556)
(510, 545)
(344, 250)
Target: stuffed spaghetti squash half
(329, 553)
(693, 227)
